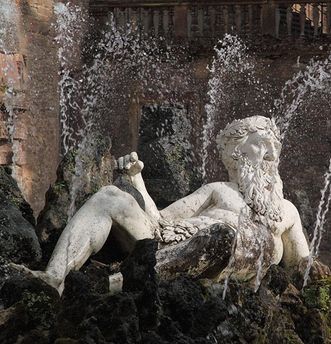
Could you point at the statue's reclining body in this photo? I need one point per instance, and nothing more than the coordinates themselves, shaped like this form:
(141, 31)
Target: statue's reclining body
(252, 204)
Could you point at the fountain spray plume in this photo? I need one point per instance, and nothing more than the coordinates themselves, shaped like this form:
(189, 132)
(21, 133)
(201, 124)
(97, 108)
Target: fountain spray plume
(103, 91)
(8, 27)
(323, 209)
(70, 23)
(8, 46)
(69, 28)
(315, 77)
(231, 58)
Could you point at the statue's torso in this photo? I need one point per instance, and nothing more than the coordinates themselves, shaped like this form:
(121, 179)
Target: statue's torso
(226, 198)
(227, 205)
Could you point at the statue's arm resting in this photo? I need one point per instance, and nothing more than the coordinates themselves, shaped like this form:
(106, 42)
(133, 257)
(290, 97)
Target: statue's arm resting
(188, 206)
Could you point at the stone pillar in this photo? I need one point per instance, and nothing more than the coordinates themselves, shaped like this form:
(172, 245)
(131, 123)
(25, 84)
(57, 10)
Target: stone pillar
(328, 19)
(238, 18)
(180, 21)
(277, 20)
(212, 14)
(289, 17)
(269, 19)
(316, 19)
(226, 18)
(302, 19)
(200, 21)
(250, 19)
(165, 22)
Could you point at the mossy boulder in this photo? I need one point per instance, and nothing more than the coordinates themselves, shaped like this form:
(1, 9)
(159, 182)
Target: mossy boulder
(12, 193)
(82, 172)
(165, 311)
(170, 170)
(33, 306)
(318, 295)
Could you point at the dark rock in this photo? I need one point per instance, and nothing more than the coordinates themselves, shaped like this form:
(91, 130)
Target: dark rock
(12, 193)
(18, 240)
(139, 277)
(214, 243)
(181, 300)
(81, 174)
(138, 268)
(5, 271)
(169, 171)
(276, 279)
(117, 318)
(34, 307)
(16, 287)
(75, 305)
(154, 310)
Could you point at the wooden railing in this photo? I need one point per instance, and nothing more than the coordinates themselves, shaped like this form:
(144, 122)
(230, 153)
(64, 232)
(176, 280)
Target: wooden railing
(205, 20)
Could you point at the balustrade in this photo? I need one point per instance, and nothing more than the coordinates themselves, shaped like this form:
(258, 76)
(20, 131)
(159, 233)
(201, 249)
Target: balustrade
(198, 21)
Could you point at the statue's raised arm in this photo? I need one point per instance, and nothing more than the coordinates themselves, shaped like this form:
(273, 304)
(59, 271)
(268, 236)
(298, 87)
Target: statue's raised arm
(130, 166)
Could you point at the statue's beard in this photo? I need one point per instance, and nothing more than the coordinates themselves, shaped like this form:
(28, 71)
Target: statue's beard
(262, 189)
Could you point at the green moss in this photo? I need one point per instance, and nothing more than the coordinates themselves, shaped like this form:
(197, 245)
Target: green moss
(3, 88)
(95, 187)
(318, 295)
(261, 338)
(176, 156)
(290, 337)
(39, 308)
(58, 187)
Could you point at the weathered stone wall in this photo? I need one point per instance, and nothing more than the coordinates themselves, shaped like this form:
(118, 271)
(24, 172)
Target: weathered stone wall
(42, 123)
(35, 103)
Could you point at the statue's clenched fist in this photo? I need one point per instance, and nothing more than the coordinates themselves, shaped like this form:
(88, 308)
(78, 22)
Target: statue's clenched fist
(129, 164)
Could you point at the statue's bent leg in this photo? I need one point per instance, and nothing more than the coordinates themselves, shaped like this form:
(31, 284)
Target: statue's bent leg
(81, 238)
(88, 230)
(132, 222)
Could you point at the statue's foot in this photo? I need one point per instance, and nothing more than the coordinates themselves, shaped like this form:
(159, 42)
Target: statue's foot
(115, 283)
(44, 276)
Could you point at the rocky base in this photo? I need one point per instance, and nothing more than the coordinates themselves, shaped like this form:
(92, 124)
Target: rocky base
(150, 310)
(18, 240)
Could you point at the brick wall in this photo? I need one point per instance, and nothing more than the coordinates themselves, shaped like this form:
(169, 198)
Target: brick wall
(33, 75)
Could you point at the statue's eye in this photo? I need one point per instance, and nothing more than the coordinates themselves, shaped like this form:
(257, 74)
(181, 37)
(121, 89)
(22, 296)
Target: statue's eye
(278, 145)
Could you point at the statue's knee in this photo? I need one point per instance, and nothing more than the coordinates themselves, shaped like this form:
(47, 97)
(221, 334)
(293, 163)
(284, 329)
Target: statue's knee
(113, 191)
(110, 190)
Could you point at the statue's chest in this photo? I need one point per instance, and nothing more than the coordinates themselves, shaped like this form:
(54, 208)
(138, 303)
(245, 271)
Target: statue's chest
(228, 199)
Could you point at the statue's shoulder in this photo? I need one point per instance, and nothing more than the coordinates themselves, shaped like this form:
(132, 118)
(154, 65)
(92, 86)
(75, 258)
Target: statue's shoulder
(224, 187)
(289, 207)
(226, 196)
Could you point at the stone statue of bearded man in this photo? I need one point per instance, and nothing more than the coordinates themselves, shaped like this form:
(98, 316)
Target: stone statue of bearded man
(250, 152)
(251, 205)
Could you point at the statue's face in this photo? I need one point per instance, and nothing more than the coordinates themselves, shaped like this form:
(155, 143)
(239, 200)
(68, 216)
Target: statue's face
(261, 146)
